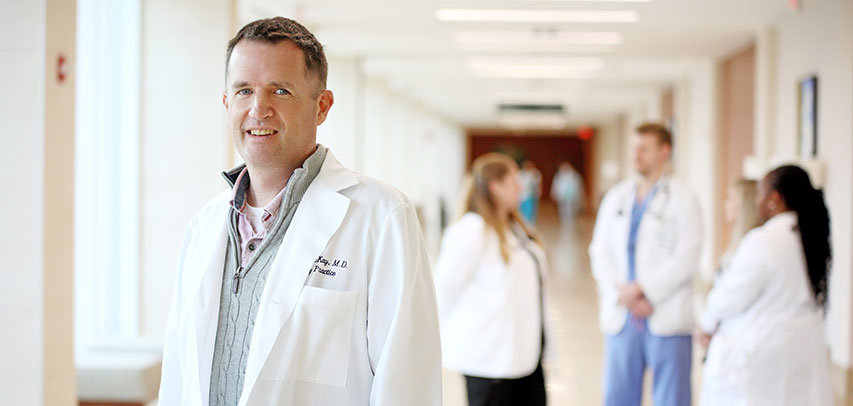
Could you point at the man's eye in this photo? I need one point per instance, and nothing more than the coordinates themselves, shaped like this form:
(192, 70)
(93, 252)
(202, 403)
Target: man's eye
(281, 92)
(244, 92)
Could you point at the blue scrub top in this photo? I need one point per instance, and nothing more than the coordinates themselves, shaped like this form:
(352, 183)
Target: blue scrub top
(637, 212)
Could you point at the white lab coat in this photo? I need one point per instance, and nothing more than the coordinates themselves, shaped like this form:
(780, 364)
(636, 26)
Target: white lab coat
(567, 188)
(669, 242)
(361, 329)
(489, 310)
(769, 349)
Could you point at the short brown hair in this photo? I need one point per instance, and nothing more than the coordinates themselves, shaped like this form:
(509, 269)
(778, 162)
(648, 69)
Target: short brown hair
(658, 130)
(277, 29)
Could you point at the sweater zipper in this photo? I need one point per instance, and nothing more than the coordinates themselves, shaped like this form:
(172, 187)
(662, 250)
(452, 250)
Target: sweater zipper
(238, 273)
(235, 280)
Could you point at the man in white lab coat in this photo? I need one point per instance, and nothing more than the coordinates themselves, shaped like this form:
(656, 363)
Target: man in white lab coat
(644, 253)
(305, 283)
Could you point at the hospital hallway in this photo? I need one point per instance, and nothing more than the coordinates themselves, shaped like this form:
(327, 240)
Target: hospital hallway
(576, 376)
(122, 116)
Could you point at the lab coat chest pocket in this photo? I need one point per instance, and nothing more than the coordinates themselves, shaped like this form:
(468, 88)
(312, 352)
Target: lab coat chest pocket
(314, 345)
(661, 229)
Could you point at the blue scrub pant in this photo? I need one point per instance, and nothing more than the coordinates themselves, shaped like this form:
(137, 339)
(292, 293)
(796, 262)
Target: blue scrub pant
(628, 353)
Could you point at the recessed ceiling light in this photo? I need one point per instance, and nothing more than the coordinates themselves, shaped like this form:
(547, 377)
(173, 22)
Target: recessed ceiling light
(538, 16)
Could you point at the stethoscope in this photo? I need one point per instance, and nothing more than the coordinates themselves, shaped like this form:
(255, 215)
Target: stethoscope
(657, 213)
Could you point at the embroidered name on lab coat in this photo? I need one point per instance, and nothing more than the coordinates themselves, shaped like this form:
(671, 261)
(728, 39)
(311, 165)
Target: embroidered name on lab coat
(327, 266)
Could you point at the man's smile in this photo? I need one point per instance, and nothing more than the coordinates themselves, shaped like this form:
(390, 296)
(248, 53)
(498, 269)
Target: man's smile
(262, 132)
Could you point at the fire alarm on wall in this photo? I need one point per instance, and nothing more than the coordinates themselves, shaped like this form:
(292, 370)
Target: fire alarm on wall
(61, 68)
(585, 132)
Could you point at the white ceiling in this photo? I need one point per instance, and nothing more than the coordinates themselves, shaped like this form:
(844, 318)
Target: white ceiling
(404, 44)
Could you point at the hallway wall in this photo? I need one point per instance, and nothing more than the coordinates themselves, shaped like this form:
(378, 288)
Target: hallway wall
(737, 125)
(608, 156)
(183, 140)
(22, 382)
(37, 161)
(695, 138)
(373, 130)
(818, 41)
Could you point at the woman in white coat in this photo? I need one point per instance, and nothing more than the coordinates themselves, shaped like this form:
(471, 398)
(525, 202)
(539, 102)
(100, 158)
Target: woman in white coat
(764, 318)
(489, 279)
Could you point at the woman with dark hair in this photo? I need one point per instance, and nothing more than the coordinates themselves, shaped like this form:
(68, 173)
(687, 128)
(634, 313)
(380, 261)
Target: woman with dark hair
(489, 284)
(764, 319)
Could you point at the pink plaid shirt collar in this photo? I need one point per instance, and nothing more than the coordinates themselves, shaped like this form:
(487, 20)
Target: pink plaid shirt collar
(239, 199)
(244, 227)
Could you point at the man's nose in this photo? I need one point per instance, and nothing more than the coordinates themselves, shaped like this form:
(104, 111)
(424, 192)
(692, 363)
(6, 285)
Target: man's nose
(261, 107)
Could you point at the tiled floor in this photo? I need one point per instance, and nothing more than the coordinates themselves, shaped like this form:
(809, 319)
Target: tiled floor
(575, 377)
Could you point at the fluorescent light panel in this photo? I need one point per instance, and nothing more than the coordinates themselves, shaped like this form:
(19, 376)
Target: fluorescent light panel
(585, 64)
(534, 68)
(534, 38)
(592, 1)
(534, 48)
(528, 72)
(550, 121)
(538, 16)
(555, 95)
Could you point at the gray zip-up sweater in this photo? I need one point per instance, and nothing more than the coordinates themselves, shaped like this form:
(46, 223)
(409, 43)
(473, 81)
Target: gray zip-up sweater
(237, 311)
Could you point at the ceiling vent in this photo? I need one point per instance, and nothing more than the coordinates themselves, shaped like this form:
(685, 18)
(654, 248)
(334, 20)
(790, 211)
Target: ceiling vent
(532, 116)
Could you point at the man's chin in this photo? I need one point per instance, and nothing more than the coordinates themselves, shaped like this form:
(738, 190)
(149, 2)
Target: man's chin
(258, 159)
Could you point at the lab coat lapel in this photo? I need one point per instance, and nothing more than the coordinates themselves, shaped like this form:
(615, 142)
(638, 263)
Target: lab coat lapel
(209, 256)
(317, 218)
(622, 228)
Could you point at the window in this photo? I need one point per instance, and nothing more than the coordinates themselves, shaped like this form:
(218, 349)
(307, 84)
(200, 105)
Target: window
(107, 171)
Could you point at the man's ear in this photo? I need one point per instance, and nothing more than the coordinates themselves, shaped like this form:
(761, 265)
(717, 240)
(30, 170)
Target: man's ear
(324, 102)
(668, 149)
(225, 100)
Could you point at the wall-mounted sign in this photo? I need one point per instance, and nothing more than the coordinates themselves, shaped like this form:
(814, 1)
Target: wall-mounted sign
(807, 117)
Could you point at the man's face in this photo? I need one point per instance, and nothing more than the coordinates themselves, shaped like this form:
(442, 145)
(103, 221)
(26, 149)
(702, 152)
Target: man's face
(273, 105)
(650, 154)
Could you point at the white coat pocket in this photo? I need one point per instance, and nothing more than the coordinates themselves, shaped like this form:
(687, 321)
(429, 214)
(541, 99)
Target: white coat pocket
(314, 345)
(663, 231)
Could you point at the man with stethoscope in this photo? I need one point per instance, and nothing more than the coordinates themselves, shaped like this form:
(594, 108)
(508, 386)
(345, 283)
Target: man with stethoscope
(644, 252)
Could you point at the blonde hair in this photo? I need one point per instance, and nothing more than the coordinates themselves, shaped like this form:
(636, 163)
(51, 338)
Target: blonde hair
(476, 197)
(747, 218)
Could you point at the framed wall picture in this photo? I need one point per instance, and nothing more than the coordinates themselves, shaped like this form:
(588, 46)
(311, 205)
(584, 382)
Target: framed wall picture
(807, 116)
